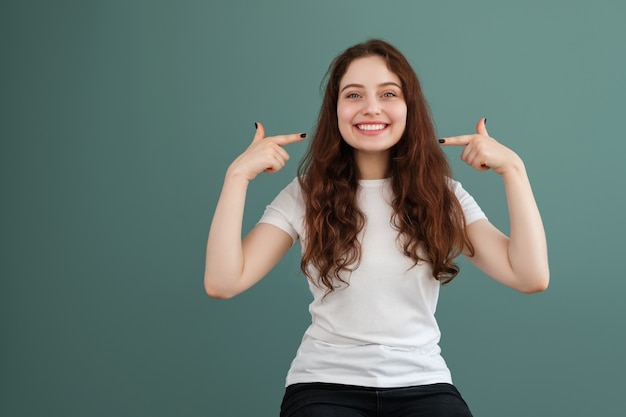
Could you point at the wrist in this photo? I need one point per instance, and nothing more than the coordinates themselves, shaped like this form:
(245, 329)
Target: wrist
(514, 167)
(515, 174)
(236, 177)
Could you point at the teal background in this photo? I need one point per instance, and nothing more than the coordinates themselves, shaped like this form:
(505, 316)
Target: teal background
(119, 118)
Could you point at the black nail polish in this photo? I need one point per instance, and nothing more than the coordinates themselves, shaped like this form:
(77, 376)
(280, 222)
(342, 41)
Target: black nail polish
(256, 125)
(442, 141)
(485, 120)
(303, 135)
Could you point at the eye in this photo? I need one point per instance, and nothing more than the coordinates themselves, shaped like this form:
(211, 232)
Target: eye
(352, 95)
(389, 94)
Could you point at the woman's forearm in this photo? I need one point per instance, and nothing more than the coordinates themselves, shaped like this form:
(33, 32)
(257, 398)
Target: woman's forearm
(527, 250)
(224, 254)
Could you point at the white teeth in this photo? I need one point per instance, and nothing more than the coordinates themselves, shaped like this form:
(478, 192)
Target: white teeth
(372, 127)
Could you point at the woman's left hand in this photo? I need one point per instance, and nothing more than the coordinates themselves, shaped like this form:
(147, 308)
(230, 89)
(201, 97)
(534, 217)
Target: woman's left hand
(483, 152)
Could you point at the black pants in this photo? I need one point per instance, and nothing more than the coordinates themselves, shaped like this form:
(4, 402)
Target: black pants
(335, 400)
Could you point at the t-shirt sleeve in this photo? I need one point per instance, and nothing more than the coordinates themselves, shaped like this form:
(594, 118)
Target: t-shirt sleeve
(470, 207)
(285, 210)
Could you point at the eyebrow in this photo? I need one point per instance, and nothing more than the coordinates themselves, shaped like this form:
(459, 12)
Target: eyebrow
(362, 86)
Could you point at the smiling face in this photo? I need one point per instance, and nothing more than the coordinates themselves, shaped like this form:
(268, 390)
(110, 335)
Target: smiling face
(371, 112)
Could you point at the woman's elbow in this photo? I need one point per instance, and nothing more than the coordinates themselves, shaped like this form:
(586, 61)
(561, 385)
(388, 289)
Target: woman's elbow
(214, 293)
(217, 291)
(538, 284)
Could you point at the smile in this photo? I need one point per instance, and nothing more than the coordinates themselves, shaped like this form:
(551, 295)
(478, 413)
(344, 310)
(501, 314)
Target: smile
(371, 127)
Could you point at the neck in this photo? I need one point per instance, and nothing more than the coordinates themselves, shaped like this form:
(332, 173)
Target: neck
(372, 166)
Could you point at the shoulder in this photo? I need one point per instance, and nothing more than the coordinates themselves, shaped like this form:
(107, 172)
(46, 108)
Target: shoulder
(455, 185)
(286, 210)
(291, 192)
(457, 188)
(470, 207)
(290, 199)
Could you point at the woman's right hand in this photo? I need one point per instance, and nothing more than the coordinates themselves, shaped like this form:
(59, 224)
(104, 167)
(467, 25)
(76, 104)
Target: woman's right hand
(263, 154)
(233, 265)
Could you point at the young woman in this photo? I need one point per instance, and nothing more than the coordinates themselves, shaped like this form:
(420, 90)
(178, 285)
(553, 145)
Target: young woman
(380, 221)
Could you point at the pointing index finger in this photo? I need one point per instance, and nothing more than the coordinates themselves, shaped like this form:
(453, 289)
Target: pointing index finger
(456, 140)
(287, 139)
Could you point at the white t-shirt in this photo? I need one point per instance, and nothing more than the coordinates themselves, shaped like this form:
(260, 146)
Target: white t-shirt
(380, 330)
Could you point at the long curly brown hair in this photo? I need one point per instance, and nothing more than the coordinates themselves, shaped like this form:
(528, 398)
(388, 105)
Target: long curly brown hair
(426, 212)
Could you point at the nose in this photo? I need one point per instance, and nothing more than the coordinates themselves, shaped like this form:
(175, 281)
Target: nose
(371, 106)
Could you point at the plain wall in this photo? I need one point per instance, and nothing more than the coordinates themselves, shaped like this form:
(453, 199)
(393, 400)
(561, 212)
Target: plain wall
(119, 118)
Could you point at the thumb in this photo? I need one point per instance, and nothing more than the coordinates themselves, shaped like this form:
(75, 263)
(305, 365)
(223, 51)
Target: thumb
(260, 132)
(481, 127)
